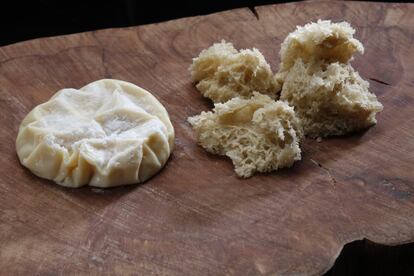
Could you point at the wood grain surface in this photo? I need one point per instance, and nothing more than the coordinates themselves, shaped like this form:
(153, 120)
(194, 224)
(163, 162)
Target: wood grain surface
(196, 217)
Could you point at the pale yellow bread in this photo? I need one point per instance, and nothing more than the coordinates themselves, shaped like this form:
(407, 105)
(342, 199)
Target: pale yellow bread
(257, 134)
(321, 41)
(222, 73)
(318, 80)
(330, 99)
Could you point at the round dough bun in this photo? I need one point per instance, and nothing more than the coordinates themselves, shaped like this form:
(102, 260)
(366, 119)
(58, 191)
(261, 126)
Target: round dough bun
(108, 133)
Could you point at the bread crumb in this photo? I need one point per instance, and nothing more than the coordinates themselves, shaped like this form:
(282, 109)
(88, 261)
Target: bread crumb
(222, 73)
(330, 99)
(328, 95)
(257, 134)
(320, 41)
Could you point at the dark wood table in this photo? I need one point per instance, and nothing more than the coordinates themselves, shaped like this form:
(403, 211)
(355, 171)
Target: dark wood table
(196, 217)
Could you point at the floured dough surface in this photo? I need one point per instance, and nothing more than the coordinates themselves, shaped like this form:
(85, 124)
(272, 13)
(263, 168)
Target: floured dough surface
(318, 80)
(106, 134)
(330, 99)
(221, 73)
(258, 134)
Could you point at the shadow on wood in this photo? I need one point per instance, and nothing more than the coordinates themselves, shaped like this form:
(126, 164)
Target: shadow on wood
(364, 257)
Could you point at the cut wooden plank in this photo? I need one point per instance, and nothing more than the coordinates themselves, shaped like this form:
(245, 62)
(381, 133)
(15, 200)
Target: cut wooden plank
(196, 217)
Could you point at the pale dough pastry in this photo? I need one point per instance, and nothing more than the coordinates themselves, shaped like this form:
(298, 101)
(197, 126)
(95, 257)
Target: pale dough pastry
(106, 134)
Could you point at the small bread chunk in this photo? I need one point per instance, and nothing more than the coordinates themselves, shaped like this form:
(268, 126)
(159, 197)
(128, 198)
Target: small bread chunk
(330, 99)
(317, 79)
(222, 73)
(258, 134)
(321, 41)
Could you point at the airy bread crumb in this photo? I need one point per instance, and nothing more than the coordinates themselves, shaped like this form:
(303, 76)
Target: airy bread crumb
(328, 94)
(258, 134)
(330, 99)
(222, 73)
(324, 40)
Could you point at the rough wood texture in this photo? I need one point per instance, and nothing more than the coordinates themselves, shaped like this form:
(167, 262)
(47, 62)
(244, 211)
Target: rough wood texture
(196, 217)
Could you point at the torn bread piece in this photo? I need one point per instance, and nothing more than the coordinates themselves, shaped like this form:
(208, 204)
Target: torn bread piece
(222, 73)
(317, 79)
(258, 134)
(330, 99)
(320, 41)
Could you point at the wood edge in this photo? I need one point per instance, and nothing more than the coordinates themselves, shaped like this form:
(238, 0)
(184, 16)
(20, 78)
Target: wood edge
(172, 21)
(306, 2)
(333, 260)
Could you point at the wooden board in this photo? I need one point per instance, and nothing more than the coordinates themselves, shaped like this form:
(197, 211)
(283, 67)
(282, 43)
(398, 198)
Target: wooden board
(196, 217)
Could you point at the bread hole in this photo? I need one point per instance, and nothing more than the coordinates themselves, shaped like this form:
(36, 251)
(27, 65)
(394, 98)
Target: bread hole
(337, 88)
(288, 137)
(263, 75)
(240, 116)
(276, 141)
(297, 50)
(223, 137)
(208, 67)
(334, 49)
(244, 141)
(284, 124)
(331, 42)
(324, 67)
(248, 75)
(240, 69)
(223, 79)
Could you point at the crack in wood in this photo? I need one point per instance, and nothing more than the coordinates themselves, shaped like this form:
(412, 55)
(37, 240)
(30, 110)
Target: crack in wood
(7, 60)
(328, 172)
(379, 81)
(254, 11)
(176, 201)
(107, 74)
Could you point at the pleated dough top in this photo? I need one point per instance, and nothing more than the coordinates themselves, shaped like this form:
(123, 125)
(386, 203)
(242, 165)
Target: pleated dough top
(106, 134)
